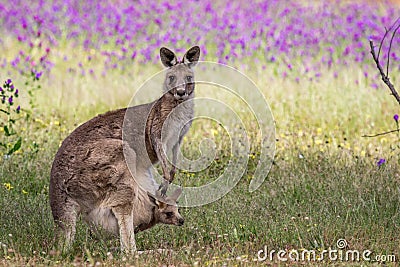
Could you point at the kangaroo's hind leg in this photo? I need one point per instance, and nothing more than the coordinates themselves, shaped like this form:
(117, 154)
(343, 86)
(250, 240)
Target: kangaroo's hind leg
(65, 219)
(124, 217)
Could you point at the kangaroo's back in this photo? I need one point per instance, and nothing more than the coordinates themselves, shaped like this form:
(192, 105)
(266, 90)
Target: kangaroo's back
(91, 159)
(102, 127)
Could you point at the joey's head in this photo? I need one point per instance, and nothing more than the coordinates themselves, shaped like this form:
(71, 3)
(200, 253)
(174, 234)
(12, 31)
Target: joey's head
(179, 79)
(166, 210)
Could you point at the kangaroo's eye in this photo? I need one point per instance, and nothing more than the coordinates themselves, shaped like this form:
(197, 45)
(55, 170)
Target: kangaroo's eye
(169, 214)
(189, 79)
(171, 78)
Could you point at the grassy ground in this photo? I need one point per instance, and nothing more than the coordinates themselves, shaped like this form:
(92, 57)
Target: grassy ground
(324, 184)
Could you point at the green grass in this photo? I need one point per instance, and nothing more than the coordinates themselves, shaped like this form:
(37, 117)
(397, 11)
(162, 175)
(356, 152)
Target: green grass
(307, 203)
(324, 184)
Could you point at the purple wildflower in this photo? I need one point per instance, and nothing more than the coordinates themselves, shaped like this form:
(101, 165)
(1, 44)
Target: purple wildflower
(381, 162)
(133, 55)
(18, 109)
(396, 118)
(158, 21)
(3, 99)
(10, 100)
(335, 74)
(16, 93)
(38, 75)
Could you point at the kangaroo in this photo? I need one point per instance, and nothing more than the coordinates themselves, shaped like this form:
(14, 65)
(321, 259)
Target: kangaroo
(165, 211)
(103, 172)
(154, 210)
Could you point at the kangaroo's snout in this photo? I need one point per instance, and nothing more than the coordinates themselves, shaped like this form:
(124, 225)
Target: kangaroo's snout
(181, 94)
(181, 221)
(180, 91)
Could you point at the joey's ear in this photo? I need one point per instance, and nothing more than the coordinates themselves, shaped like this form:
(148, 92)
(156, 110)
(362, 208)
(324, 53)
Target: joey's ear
(168, 57)
(159, 204)
(175, 195)
(152, 199)
(192, 56)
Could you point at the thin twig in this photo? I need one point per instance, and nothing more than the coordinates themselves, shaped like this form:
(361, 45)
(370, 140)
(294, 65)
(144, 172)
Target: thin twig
(384, 36)
(381, 43)
(379, 134)
(390, 48)
(385, 78)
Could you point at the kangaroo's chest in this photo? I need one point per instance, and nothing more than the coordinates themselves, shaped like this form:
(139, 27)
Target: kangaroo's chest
(175, 126)
(168, 124)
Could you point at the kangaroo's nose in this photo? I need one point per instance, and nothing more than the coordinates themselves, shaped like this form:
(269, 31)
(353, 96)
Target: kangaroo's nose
(180, 91)
(181, 221)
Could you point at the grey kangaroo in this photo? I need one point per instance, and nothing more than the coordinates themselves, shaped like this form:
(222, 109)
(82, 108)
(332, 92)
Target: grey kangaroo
(103, 173)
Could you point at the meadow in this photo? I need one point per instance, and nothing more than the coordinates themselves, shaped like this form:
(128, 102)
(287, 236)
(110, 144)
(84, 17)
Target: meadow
(71, 60)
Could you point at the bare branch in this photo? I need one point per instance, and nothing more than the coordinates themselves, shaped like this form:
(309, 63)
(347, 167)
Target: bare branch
(381, 43)
(379, 134)
(384, 36)
(390, 48)
(385, 78)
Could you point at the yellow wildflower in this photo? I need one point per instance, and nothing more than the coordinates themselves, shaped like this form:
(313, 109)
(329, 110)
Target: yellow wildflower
(8, 186)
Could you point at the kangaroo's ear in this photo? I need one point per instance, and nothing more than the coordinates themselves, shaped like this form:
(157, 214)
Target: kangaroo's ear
(175, 195)
(152, 199)
(192, 56)
(168, 57)
(156, 202)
